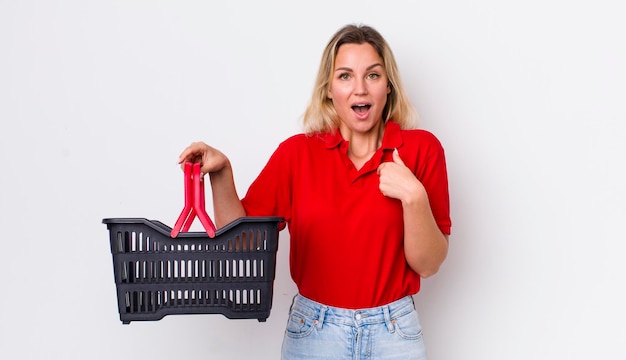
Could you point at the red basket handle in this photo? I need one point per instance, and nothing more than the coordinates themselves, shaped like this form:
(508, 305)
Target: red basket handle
(194, 203)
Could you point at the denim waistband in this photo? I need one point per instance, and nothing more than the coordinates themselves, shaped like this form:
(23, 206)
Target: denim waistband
(356, 317)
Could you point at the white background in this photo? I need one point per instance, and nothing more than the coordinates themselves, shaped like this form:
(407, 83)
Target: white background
(98, 98)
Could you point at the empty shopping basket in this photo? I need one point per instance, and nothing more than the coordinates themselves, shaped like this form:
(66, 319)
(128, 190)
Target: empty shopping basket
(162, 271)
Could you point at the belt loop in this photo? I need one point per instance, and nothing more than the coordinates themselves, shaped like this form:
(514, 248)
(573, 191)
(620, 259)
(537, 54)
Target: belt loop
(388, 319)
(293, 301)
(320, 320)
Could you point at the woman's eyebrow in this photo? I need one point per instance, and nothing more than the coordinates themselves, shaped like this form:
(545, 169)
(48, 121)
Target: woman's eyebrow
(345, 68)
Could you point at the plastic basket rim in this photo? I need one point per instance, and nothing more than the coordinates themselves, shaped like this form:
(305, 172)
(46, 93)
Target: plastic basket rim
(166, 230)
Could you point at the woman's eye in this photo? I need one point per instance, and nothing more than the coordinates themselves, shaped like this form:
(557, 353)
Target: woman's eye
(344, 76)
(373, 76)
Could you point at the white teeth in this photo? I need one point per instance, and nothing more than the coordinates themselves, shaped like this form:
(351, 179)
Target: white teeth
(361, 108)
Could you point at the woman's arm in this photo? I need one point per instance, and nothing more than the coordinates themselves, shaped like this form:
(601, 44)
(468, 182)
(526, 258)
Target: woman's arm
(425, 246)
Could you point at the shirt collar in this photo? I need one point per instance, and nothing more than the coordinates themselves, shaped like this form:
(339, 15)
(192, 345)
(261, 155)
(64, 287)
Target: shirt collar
(392, 138)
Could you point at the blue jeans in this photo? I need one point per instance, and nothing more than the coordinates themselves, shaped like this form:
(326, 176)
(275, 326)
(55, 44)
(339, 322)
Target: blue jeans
(316, 331)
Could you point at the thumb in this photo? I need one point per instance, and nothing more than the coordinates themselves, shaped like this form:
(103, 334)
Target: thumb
(396, 157)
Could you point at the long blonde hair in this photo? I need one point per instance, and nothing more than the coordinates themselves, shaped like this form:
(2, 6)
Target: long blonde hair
(320, 115)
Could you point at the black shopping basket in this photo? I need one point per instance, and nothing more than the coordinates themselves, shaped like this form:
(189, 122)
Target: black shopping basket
(161, 271)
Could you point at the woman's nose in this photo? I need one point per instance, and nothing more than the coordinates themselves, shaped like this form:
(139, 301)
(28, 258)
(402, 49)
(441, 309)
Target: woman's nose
(360, 86)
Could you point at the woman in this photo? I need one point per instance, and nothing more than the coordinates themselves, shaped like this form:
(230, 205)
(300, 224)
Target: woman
(365, 198)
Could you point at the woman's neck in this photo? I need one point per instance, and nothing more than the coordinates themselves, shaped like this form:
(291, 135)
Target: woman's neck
(363, 145)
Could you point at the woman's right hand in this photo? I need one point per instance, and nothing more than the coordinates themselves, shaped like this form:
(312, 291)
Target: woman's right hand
(226, 204)
(211, 160)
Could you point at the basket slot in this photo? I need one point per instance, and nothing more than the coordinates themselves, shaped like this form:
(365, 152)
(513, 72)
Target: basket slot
(248, 241)
(132, 241)
(193, 270)
(151, 301)
(246, 299)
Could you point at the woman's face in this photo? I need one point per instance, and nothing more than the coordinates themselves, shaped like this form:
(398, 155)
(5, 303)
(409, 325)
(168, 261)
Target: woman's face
(359, 88)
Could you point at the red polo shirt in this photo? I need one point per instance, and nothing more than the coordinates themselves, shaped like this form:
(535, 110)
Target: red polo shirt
(346, 236)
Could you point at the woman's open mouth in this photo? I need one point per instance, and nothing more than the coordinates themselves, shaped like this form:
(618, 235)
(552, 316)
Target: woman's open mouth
(361, 108)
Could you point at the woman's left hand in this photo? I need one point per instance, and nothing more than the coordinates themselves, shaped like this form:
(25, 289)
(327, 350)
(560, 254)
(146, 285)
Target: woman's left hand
(398, 182)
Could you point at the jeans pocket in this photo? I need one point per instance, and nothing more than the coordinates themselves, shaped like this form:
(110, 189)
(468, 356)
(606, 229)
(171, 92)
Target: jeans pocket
(408, 326)
(299, 325)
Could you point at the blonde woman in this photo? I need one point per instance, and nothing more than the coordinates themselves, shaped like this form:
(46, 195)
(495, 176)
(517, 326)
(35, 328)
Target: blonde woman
(365, 198)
